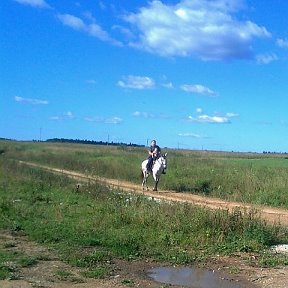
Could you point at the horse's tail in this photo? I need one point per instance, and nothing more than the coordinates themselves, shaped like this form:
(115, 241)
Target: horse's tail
(142, 175)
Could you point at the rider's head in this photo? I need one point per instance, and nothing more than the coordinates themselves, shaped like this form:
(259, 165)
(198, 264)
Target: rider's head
(153, 142)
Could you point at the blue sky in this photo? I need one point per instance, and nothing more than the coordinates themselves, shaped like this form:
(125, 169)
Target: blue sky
(196, 74)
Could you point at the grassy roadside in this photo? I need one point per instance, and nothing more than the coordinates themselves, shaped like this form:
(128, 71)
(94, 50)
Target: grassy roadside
(88, 228)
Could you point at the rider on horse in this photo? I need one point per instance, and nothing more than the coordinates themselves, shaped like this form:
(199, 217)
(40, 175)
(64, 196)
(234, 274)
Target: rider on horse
(154, 153)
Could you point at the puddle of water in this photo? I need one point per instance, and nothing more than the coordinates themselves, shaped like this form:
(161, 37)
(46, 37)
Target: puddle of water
(193, 278)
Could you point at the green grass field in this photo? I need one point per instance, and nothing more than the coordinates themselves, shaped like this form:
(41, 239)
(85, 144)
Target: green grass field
(48, 208)
(250, 178)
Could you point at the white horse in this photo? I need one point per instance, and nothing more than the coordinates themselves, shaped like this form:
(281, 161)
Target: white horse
(158, 167)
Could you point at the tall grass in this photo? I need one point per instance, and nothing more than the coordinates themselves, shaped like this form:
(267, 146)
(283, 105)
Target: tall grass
(251, 178)
(50, 210)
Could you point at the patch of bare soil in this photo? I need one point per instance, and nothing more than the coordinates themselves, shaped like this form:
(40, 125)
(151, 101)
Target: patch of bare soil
(49, 271)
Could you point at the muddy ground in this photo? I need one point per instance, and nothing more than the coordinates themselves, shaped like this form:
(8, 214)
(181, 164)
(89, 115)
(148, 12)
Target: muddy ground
(51, 272)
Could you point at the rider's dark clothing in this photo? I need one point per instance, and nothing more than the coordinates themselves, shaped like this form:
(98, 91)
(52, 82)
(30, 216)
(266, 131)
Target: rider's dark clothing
(157, 151)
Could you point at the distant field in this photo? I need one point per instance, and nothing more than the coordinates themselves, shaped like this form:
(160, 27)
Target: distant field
(242, 177)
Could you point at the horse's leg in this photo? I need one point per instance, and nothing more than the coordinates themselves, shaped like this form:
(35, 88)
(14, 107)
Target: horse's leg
(156, 183)
(144, 182)
(155, 187)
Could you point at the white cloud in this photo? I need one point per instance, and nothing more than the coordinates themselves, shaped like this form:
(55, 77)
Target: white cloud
(68, 115)
(200, 28)
(192, 135)
(216, 119)
(143, 114)
(34, 3)
(266, 58)
(199, 110)
(168, 85)
(112, 120)
(283, 43)
(231, 114)
(91, 29)
(136, 82)
(147, 115)
(72, 21)
(213, 119)
(65, 116)
(31, 101)
(198, 89)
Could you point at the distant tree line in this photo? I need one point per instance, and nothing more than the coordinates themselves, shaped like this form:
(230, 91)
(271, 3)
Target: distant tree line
(269, 152)
(92, 142)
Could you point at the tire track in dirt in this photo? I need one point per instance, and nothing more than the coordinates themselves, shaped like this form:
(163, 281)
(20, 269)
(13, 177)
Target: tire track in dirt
(269, 214)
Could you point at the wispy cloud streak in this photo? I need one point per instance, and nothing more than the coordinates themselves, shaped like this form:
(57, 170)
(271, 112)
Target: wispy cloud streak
(30, 101)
